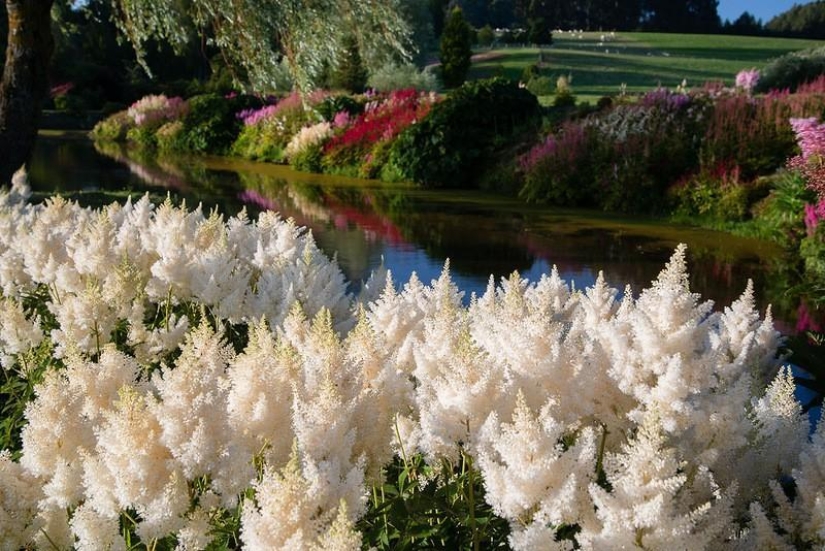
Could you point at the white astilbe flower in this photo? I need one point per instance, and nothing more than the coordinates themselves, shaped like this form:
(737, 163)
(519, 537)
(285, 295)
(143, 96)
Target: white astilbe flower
(550, 348)
(287, 266)
(20, 493)
(530, 478)
(191, 411)
(43, 245)
(259, 403)
(761, 534)
(667, 361)
(96, 532)
(287, 514)
(55, 532)
(458, 385)
(18, 334)
(341, 535)
(327, 397)
(651, 504)
(398, 317)
(132, 469)
(55, 438)
(86, 321)
(385, 391)
(781, 428)
(195, 534)
(810, 487)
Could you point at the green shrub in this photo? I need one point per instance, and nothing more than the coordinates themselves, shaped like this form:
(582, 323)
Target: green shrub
(308, 159)
(541, 86)
(142, 136)
(169, 136)
(211, 125)
(399, 77)
(448, 147)
(486, 36)
(717, 198)
(792, 70)
(113, 128)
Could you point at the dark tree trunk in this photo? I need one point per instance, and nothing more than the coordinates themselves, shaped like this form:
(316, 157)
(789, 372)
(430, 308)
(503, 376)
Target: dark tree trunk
(25, 82)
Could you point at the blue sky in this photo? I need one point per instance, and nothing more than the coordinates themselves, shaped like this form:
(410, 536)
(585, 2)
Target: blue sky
(761, 9)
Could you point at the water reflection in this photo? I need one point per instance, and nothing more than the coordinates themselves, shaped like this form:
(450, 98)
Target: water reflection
(366, 222)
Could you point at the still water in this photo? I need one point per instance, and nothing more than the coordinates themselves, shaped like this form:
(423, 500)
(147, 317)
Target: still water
(410, 230)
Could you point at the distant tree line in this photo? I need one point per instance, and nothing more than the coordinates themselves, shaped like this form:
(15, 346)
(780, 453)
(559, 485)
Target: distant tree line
(688, 16)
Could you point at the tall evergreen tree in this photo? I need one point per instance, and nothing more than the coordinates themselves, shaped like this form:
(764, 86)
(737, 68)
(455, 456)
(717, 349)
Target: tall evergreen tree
(456, 49)
(351, 74)
(540, 19)
(704, 16)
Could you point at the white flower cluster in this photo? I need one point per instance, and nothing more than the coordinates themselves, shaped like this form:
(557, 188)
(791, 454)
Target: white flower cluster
(308, 136)
(127, 263)
(648, 422)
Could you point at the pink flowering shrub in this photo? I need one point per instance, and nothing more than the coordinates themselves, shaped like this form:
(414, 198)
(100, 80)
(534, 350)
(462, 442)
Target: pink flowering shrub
(267, 131)
(810, 162)
(361, 147)
(152, 111)
(623, 159)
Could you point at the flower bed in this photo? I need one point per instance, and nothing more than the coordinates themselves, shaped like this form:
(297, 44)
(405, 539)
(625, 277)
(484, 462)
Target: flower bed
(190, 380)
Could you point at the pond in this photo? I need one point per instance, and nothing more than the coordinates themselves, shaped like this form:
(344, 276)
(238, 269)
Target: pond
(367, 223)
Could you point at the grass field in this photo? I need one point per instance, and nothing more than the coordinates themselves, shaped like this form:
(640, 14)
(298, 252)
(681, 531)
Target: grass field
(600, 63)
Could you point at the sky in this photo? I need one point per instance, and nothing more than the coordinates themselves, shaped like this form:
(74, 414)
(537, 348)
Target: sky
(761, 9)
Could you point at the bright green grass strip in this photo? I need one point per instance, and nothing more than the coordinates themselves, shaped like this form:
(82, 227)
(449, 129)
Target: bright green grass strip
(602, 63)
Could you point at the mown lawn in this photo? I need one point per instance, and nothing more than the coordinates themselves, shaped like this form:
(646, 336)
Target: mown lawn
(601, 63)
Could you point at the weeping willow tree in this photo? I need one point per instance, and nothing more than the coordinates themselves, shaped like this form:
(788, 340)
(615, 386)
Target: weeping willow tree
(256, 36)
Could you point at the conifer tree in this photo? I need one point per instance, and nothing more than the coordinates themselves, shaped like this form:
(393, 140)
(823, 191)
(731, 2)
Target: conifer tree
(351, 74)
(456, 49)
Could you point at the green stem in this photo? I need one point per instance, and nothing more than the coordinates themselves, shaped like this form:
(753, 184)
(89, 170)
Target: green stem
(467, 461)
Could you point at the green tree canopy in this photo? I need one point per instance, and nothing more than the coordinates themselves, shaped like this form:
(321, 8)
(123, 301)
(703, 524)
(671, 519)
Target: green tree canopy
(257, 34)
(805, 20)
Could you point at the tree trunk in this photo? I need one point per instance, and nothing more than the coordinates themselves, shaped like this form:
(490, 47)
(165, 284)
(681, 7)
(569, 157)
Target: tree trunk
(25, 83)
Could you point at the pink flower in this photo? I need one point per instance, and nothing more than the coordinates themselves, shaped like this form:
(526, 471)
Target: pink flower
(814, 214)
(341, 119)
(747, 79)
(810, 135)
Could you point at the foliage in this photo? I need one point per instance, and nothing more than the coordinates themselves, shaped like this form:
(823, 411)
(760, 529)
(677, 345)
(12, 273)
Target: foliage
(254, 36)
(538, 416)
(114, 127)
(486, 36)
(267, 131)
(790, 71)
(351, 74)
(716, 196)
(398, 77)
(803, 20)
(455, 49)
(448, 147)
(541, 85)
(210, 125)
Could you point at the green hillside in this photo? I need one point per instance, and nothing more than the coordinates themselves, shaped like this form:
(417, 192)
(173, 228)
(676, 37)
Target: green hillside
(600, 63)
